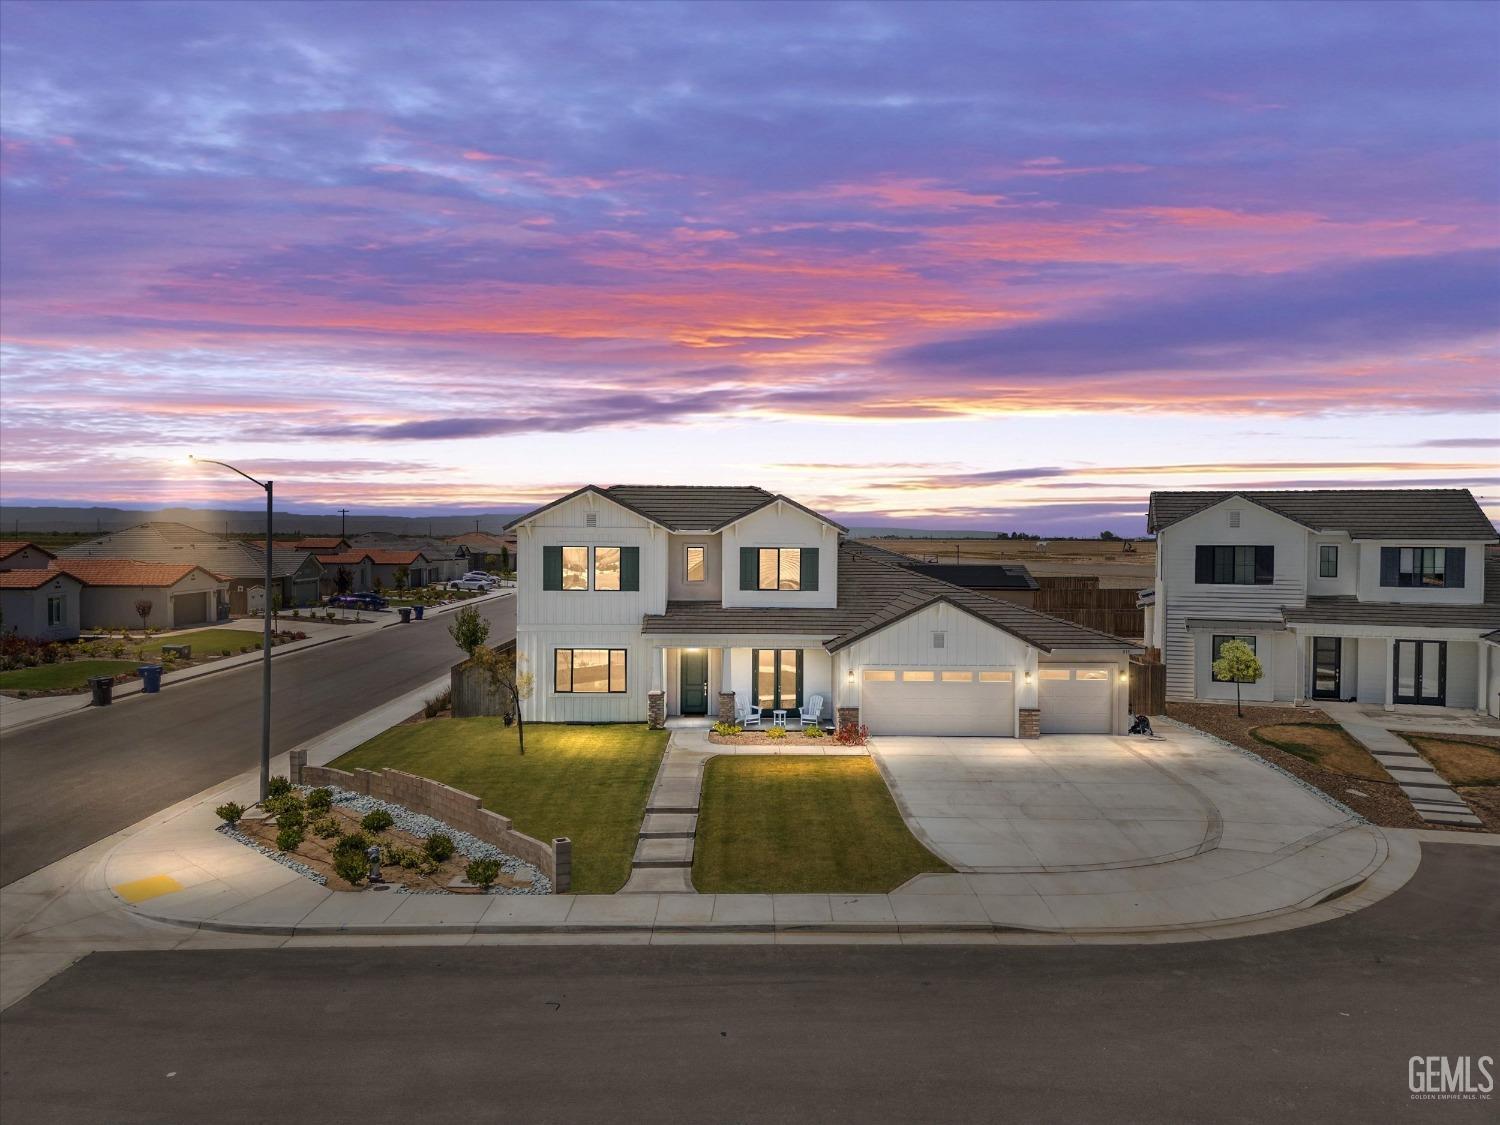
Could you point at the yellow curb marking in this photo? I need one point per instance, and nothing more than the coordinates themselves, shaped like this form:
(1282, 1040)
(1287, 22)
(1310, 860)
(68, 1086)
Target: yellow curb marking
(153, 886)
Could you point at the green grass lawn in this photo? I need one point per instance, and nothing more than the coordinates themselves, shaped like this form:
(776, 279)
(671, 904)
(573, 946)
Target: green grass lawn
(71, 676)
(208, 642)
(802, 825)
(588, 783)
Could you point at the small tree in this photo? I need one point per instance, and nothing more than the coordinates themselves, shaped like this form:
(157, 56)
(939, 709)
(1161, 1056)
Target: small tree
(1108, 535)
(342, 580)
(504, 558)
(402, 574)
(1237, 662)
(507, 677)
(143, 610)
(469, 630)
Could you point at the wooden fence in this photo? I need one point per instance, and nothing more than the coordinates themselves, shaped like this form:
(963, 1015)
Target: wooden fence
(1148, 687)
(1081, 600)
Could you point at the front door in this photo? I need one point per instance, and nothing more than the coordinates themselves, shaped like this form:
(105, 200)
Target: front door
(1327, 667)
(694, 691)
(1421, 673)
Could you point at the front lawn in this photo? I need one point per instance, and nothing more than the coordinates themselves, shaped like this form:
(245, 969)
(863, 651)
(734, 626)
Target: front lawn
(1461, 761)
(588, 783)
(1323, 744)
(72, 675)
(205, 643)
(802, 825)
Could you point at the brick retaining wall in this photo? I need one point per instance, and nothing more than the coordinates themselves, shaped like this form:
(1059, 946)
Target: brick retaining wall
(463, 811)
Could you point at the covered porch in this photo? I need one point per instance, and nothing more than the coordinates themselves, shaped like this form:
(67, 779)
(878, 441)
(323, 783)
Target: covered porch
(1390, 666)
(702, 680)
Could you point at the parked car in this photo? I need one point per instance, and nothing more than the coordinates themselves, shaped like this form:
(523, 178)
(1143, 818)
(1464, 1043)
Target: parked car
(357, 601)
(482, 576)
(469, 583)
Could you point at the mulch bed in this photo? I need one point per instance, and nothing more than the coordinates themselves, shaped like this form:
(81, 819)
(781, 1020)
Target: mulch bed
(758, 738)
(1383, 803)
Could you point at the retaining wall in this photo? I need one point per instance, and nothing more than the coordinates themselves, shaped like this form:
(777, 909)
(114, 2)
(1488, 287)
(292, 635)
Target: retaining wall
(463, 811)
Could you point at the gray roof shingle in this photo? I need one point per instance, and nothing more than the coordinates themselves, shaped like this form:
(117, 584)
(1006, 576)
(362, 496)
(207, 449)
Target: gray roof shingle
(684, 507)
(163, 542)
(1349, 610)
(1365, 513)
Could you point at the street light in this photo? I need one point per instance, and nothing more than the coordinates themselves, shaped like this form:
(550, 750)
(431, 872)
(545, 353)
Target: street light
(265, 654)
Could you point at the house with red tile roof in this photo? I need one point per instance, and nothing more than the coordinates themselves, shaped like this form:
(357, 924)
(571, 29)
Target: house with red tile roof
(179, 594)
(41, 603)
(18, 554)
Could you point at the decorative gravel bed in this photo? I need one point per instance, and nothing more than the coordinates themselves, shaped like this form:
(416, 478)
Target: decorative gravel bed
(417, 825)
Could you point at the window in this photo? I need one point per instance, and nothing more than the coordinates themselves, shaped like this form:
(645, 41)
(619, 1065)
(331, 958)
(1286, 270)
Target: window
(1094, 674)
(918, 677)
(1234, 565)
(1328, 560)
(778, 678)
(1423, 566)
(995, 677)
(780, 568)
(695, 564)
(575, 568)
(880, 676)
(606, 568)
(1055, 673)
(958, 677)
(589, 670)
(54, 611)
(1219, 643)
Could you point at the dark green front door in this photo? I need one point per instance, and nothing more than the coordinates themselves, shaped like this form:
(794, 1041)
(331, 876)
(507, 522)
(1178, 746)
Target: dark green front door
(694, 682)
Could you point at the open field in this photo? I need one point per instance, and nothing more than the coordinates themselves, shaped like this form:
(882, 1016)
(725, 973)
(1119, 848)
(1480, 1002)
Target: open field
(1102, 558)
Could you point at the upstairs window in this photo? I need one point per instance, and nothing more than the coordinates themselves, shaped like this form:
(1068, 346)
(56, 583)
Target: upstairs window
(1328, 560)
(606, 568)
(1235, 565)
(1428, 567)
(695, 564)
(778, 568)
(575, 568)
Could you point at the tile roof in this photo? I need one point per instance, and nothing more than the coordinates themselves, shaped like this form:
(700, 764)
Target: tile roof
(873, 593)
(1365, 513)
(325, 543)
(30, 579)
(180, 544)
(1349, 610)
(345, 558)
(683, 507)
(9, 547)
(128, 572)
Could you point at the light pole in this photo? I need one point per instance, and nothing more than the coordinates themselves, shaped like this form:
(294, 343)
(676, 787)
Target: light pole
(265, 652)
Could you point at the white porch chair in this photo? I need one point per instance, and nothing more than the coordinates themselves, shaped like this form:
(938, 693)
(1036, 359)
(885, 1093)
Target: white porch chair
(747, 716)
(812, 710)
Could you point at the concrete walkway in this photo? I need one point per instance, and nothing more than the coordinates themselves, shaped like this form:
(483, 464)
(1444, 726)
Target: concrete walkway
(1434, 799)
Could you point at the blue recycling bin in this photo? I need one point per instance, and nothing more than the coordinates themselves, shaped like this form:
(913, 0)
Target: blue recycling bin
(150, 678)
(418, 610)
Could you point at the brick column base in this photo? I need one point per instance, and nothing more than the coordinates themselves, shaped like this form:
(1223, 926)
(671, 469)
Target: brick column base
(562, 850)
(848, 716)
(656, 709)
(1031, 722)
(726, 706)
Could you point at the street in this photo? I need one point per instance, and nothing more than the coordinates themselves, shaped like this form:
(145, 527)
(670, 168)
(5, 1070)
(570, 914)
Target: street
(69, 782)
(1313, 1024)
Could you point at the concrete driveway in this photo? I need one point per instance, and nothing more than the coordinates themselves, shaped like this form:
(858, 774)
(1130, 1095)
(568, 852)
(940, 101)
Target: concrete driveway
(1093, 802)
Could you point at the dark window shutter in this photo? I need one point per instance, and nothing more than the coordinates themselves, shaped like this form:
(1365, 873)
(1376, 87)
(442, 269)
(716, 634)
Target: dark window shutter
(1390, 565)
(551, 568)
(1453, 567)
(799, 671)
(809, 577)
(1204, 564)
(630, 568)
(749, 568)
(1265, 565)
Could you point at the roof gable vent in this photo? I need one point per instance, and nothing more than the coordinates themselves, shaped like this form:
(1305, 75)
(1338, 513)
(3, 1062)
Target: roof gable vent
(591, 519)
(939, 639)
(1234, 517)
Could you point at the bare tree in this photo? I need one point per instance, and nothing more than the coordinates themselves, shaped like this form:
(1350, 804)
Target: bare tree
(508, 678)
(143, 610)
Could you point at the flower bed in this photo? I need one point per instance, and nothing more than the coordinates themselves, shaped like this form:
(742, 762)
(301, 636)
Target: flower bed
(404, 839)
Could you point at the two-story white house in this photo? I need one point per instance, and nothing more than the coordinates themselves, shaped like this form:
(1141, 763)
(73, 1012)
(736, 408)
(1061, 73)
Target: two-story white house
(643, 602)
(1367, 595)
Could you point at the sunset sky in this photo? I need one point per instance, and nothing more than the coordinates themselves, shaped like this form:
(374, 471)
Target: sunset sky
(988, 266)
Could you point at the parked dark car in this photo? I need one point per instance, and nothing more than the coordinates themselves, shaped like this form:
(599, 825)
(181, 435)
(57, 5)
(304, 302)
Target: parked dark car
(357, 601)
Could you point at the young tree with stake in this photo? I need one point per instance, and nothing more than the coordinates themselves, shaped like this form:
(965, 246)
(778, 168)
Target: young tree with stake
(1237, 662)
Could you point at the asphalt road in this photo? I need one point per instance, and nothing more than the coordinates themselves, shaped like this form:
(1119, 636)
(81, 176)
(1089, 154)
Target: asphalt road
(1315, 1024)
(66, 783)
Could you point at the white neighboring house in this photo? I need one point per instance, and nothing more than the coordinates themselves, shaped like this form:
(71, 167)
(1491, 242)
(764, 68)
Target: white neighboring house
(1368, 595)
(642, 602)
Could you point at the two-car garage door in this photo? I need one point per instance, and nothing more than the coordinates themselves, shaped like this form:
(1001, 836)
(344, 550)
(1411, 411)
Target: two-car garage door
(939, 701)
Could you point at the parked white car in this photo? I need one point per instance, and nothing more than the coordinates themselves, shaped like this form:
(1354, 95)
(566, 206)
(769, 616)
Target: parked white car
(468, 583)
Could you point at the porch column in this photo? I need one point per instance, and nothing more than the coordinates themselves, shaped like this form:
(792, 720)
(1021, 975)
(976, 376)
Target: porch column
(1482, 687)
(1299, 685)
(726, 689)
(658, 668)
(1390, 673)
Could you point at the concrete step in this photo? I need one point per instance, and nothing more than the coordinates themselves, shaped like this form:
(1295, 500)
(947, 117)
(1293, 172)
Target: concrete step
(673, 852)
(1467, 820)
(659, 881)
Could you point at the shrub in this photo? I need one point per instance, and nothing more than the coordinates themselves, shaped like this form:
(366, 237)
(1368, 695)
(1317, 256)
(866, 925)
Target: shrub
(814, 731)
(438, 704)
(278, 786)
(291, 817)
(289, 836)
(482, 872)
(49, 654)
(351, 866)
(319, 799)
(352, 842)
(776, 733)
(299, 636)
(852, 734)
(247, 648)
(279, 806)
(439, 846)
(727, 728)
(230, 813)
(225, 652)
(326, 827)
(376, 820)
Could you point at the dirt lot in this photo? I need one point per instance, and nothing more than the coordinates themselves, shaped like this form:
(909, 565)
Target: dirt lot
(1106, 559)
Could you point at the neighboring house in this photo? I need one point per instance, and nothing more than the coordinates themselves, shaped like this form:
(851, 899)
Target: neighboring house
(40, 603)
(441, 561)
(640, 602)
(1375, 595)
(498, 550)
(357, 564)
(16, 554)
(322, 546)
(295, 574)
(181, 594)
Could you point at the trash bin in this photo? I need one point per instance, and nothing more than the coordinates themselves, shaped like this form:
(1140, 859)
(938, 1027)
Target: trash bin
(405, 612)
(150, 678)
(417, 609)
(103, 688)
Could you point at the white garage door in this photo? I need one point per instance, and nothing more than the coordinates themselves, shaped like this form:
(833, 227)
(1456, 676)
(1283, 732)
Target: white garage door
(954, 701)
(189, 609)
(1076, 699)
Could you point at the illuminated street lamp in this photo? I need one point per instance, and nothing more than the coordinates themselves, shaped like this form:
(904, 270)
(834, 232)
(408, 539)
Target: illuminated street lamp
(265, 652)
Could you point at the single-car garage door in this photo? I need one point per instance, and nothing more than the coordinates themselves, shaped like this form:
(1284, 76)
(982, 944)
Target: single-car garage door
(189, 609)
(954, 701)
(1076, 699)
